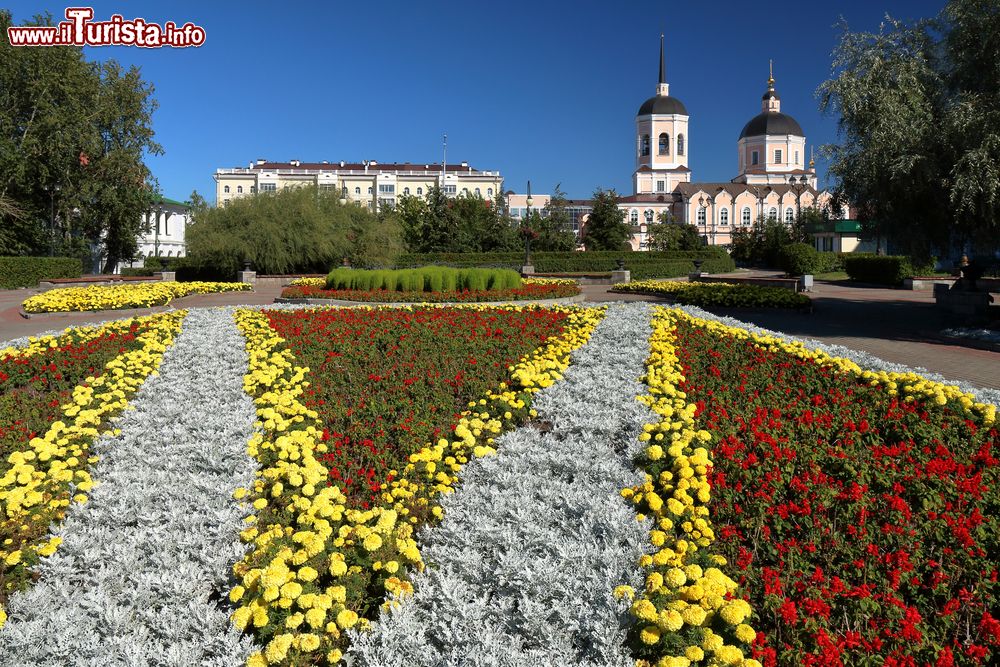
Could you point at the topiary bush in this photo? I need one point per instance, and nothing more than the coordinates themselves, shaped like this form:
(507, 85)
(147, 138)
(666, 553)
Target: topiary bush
(798, 259)
(29, 271)
(878, 269)
(426, 279)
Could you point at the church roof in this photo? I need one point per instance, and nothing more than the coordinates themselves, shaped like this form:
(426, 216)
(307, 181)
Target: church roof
(662, 104)
(734, 189)
(771, 122)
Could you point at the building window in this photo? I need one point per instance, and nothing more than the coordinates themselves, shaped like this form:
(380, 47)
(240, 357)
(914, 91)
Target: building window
(755, 158)
(226, 189)
(777, 156)
(450, 189)
(386, 189)
(489, 192)
(253, 189)
(648, 215)
(644, 146)
(370, 190)
(225, 201)
(239, 189)
(701, 210)
(796, 157)
(357, 191)
(465, 192)
(327, 187)
(664, 144)
(724, 216)
(478, 193)
(661, 186)
(772, 214)
(789, 215)
(406, 191)
(633, 216)
(268, 187)
(746, 216)
(680, 144)
(420, 191)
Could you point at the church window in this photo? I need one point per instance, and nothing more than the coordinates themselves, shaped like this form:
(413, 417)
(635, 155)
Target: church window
(724, 216)
(226, 189)
(796, 157)
(746, 216)
(789, 215)
(680, 144)
(755, 158)
(633, 216)
(664, 143)
(661, 186)
(406, 191)
(420, 191)
(649, 215)
(357, 191)
(239, 189)
(772, 214)
(701, 215)
(644, 146)
(777, 156)
(370, 190)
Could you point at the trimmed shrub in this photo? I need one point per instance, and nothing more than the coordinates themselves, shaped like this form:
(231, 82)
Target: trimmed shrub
(878, 269)
(798, 259)
(426, 279)
(29, 271)
(827, 262)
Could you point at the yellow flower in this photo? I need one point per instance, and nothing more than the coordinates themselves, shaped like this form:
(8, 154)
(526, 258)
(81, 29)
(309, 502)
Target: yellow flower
(277, 648)
(347, 619)
(372, 542)
(745, 633)
(309, 642)
(650, 634)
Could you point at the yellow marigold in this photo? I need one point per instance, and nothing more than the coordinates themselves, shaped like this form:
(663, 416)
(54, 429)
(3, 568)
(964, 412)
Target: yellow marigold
(694, 615)
(623, 592)
(277, 648)
(316, 617)
(710, 641)
(745, 633)
(650, 635)
(729, 655)
(735, 611)
(256, 660)
(373, 542)
(670, 620)
(694, 653)
(307, 574)
(644, 610)
(347, 619)
(334, 656)
(308, 642)
(676, 577)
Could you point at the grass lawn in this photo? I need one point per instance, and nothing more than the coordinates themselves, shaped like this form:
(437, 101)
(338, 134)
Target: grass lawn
(831, 275)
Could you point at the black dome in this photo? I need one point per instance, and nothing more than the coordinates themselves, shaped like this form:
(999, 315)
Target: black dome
(771, 122)
(662, 104)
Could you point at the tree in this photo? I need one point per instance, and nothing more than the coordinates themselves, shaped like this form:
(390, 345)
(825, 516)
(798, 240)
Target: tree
(919, 120)
(669, 235)
(761, 245)
(606, 228)
(73, 135)
(294, 229)
(554, 228)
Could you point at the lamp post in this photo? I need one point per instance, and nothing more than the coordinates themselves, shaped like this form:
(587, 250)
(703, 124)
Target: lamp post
(343, 195)
(798, 187)
(52, 217)
(526, 229)
(701, 204)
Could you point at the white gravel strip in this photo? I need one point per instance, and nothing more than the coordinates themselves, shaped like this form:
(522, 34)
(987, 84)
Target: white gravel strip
(863, 359)
(137, 578)
(988, 335)
(522, 568)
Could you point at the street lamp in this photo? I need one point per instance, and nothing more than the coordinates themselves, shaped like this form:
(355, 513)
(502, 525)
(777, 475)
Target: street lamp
(52, 217)
(525, 229)
(343, 195)
(798, 188)
(702, 211)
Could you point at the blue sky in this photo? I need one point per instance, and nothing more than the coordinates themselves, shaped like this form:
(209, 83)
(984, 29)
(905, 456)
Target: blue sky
(539, 90)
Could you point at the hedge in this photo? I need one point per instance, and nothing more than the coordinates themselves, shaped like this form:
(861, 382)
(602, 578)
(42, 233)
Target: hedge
(29, 271)
(423, 279)
(879, 269)
(641, 264)
(798, 259)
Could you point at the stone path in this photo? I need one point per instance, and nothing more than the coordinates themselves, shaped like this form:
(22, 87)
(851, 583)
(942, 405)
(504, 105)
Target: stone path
(142, 565)
(523, 566)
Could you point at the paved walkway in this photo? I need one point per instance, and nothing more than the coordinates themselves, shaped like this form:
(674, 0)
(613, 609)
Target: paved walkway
(896, 325)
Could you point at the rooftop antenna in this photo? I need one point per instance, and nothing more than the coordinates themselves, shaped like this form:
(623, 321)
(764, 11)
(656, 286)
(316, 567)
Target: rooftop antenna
(444, 159)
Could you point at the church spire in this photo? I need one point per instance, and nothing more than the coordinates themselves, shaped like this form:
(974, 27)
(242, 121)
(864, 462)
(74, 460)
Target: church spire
(771, 101)
(662, 88)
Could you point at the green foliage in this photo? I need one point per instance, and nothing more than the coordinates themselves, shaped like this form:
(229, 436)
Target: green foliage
(467, 223)
(761, 244)
(291, 230)
(425, 278)
(29, 271)
(667, 236)
(827, 262)
(720, 295)
(73, 137)
(919, 117)
(554, 229)
(879, 269)
(641, 264)
(606, 228)
(798, 259)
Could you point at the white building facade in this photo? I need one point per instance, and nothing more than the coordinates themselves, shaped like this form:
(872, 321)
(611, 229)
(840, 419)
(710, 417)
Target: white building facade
(166, 224)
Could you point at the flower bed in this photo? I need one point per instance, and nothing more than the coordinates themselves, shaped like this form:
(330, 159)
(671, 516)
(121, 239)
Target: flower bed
(117, 297)
(718, 295)
(858, 506)
(55, 399)
(396, 401)
(528, 291)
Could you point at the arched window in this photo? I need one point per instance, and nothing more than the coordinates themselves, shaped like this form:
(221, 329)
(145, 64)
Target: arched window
(478, 193)
(370, 190)
(644, 145)
(406, 191)
(701, 216)
(680, 144)
(746, 216)
(789, 215)
(420, 191)
(724, 216)
(489, 192)
(664, 143)
(239, 189)
(357, 191)
(648, 215)
(772, 214)
(633, 216)
(226, 189)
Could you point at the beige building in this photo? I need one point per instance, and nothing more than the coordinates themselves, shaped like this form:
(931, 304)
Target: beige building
(369, 183)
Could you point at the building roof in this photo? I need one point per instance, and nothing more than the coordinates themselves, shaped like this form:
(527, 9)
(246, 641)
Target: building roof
(771, 122)
(359, 166)
(690, 189)
(662, 104)
(644, 168)
(160, 199)
(647, 198)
